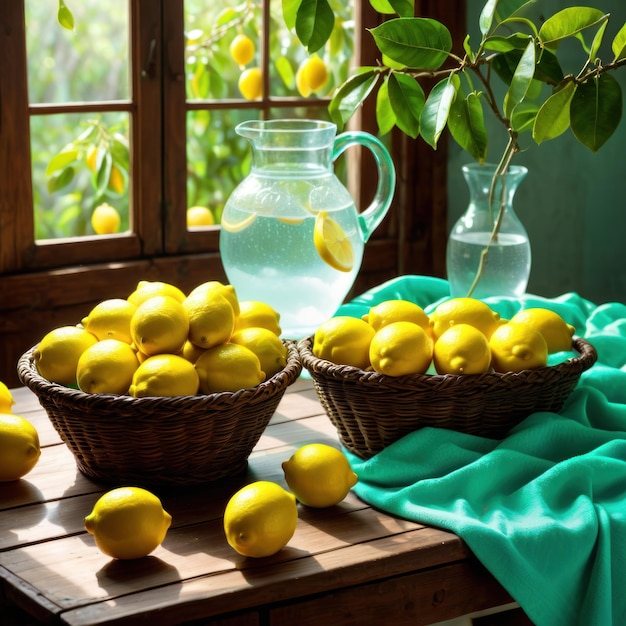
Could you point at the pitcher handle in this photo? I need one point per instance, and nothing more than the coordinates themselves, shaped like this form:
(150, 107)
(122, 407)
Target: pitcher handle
(371, 217)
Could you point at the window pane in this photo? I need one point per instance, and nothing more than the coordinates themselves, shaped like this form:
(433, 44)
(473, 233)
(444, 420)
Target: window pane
(80, 161)
(88, 64)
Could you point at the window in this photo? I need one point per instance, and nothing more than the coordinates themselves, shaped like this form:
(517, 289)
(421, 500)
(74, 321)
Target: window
(139, 115)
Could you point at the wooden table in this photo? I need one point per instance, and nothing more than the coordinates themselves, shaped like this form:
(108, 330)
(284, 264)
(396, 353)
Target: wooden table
(348, 564)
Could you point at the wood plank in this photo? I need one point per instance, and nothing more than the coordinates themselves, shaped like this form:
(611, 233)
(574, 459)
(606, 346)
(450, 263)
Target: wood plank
(266, 581)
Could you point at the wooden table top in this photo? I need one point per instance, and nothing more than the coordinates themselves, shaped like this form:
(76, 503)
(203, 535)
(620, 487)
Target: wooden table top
(348, 564)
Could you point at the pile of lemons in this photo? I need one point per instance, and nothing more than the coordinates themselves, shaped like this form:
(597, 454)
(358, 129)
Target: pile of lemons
(160, 341)
(259, 519)
(460, 336)
(19, 440)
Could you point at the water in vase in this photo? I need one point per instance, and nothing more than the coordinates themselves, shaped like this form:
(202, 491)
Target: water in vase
(273, 258)
(506, 270)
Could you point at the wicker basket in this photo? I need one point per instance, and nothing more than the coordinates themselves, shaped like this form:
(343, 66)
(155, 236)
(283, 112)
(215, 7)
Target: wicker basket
(161, 441)
(370, 411)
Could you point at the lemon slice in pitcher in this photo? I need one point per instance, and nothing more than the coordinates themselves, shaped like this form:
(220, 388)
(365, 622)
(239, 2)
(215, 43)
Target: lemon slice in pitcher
(332, 243)
(235, 227)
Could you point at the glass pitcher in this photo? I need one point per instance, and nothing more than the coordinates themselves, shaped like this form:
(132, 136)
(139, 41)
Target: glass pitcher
(291, 235)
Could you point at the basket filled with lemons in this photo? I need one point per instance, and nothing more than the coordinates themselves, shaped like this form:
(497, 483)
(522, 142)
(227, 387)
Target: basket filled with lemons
(163, 387)
(462, 367)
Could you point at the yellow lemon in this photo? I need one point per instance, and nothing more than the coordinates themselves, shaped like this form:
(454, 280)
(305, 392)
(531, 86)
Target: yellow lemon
(242, 49)
(517, 347)
(110, 319)
(107, 367)
(228, 367)
(464, 311)
(211, 318)
(128, 523)
(319, 475)
(57, 354)
(191, 352)
(255, 314)
(19, 447)
(260, 519)
(199, 216)
(164, 375)
(238, 226)
(391, 311)
(332, 243)
(312, 75)
(555, 330)
(228, 291)
(147, 289)
(251, 83)
(462, 349)
(344, 340)
(270, 350)
(6, 399)
(401, 348)
(159, 325)
(105, 220)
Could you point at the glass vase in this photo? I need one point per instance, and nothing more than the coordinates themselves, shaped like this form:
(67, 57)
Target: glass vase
(488, 250)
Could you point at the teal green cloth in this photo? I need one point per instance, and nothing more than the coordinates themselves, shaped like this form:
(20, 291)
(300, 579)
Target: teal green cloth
(543, 509)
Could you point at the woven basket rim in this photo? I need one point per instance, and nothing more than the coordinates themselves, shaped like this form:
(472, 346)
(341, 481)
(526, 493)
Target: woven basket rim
(28, 374)
(587, 356)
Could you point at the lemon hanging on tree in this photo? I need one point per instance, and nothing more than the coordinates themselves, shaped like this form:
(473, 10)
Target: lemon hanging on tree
(105, 220)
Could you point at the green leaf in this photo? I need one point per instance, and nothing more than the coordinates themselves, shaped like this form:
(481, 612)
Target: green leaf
(61, 161)
(471, 55)
(597, 41)
(521, 80)
(436, 110)
(548, 69)
(507, 8)
(407, 101)
(553, 117)
(285, 71)
(416, 42)
(382, 6)
(486, 16)
(596, 111)
(404, 8)
(466, 123)
(619, 44)
(524, 116)
(351, 95)
(385, 117)
(569, 22)
(290, 11)
(61, 180)
(65, 17)
(314, 23)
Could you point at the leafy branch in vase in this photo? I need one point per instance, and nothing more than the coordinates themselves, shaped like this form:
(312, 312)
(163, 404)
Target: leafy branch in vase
(540, 99)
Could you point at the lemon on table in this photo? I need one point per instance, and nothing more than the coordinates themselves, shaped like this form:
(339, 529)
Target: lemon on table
(110, 319)
(555, 330)
(160, 325)
(56, 356)
(260, 519)
(211, 318)
(228, 291)
(344, 340)
(399, 310)
(319, 475)
(270, 350)
(107, 367)
(228, 367)
(128, 523)
(255, 314)
(6, 399)
(462, 349)
(199, 216)
(464, 311)
(517, 347)
(148, 288)
(164, 375)
(401, 348)
(332, 243)
(19, 447)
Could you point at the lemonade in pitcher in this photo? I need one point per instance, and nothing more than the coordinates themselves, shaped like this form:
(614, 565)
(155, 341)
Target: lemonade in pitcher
(290, 233)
